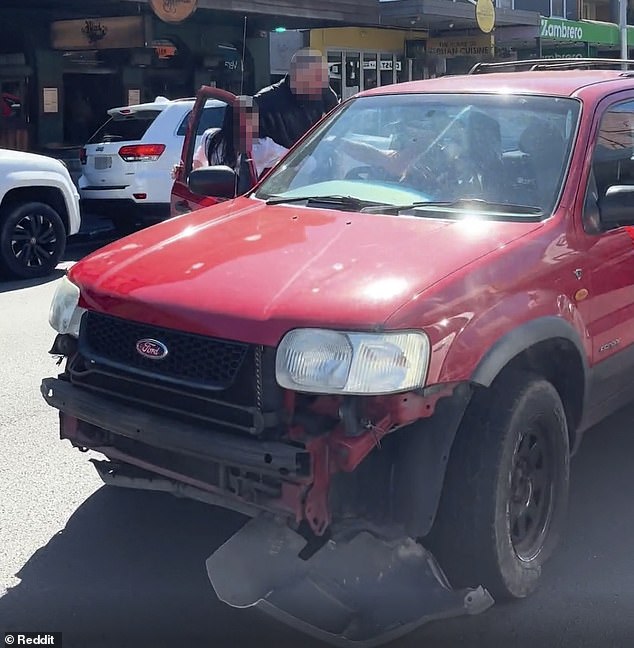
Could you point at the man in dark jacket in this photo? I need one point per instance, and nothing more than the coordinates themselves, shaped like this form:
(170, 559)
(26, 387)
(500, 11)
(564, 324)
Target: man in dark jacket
(292, 106)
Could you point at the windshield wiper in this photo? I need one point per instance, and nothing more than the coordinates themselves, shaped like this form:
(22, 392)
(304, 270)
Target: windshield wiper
(478, 204)
(337, 201)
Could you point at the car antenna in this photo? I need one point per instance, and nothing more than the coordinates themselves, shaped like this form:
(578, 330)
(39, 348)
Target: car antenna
(242, 57)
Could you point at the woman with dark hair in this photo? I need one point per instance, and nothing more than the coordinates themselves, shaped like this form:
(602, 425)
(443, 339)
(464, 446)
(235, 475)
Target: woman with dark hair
(217, 145)
(238, 134)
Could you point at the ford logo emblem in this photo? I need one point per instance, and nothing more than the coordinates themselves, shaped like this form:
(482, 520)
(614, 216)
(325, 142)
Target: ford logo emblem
(152, 349)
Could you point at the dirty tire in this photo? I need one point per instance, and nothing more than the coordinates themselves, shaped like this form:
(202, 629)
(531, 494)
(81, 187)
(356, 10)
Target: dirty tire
(506, 490)
(32, 240)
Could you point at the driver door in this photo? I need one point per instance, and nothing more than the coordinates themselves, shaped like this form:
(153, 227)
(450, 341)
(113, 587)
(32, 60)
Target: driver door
(609, 310)
(183, 200)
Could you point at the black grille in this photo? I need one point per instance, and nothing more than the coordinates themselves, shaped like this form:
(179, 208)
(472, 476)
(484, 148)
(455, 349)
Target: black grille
(191, 359)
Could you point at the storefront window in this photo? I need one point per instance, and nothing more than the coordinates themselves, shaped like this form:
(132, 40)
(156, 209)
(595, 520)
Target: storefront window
(369, 71)
(13, 114)
(387, 69)
(558, 8)
(402, 73)
(353, 81)
(10, 100)
(334, 71)
(229, 68)
(352, 71)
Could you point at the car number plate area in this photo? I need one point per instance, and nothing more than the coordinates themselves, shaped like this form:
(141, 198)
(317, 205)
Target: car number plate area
(103, 162)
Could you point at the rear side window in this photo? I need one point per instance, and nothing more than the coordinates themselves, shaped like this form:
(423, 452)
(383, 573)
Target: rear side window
(211, 118)
(127, 129)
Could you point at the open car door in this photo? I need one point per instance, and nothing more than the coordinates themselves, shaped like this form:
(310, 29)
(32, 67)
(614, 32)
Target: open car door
(183, 199)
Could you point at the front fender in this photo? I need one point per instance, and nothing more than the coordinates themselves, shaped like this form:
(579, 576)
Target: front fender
(476, 348)
(51, 179)
(521, 338)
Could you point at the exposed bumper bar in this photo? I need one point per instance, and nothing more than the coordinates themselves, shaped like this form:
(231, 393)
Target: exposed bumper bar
(268, 457)
(124, 477)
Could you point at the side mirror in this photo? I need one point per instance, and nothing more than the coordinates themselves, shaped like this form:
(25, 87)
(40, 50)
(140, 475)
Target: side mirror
(617, 207)
(213, 181)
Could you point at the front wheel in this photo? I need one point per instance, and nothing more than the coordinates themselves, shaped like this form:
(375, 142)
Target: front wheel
(32, 240)
(506, 490)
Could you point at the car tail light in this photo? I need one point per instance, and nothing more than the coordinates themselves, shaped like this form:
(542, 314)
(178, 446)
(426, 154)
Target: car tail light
(141, 152)
(83, 156)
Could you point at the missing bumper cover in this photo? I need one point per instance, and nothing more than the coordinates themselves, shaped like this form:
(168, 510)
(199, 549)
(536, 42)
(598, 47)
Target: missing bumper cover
(364, 592)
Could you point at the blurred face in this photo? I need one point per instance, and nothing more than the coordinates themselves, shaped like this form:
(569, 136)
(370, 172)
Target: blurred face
(309, 80)
(247, 120)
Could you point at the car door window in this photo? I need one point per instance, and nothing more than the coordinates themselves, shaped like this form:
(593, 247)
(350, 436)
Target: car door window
(210, 118)
(613, 159)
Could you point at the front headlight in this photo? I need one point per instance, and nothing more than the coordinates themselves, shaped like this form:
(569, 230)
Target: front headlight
(65, 314)
(336, 362)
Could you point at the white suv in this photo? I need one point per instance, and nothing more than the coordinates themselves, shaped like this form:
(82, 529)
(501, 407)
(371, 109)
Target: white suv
(39, 209)
(127, 163)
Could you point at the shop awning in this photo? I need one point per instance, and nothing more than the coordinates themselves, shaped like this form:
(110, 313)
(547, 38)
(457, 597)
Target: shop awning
(292, 14)
(445, 14)
(296, 14)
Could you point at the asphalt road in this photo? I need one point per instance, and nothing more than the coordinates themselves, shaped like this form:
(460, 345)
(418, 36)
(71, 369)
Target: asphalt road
(113, 568)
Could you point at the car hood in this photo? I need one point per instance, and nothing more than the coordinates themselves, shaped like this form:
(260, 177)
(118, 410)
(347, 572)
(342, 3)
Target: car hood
(247, 271)
(18, 161)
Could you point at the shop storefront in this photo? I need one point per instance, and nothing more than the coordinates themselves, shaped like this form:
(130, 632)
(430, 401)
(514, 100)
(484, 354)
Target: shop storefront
(458, 37)
(363, 58)
(63, 66)
(133, 59)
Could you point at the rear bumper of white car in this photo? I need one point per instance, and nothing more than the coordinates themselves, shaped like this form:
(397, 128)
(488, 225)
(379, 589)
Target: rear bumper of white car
(123, 208)
(121, 201)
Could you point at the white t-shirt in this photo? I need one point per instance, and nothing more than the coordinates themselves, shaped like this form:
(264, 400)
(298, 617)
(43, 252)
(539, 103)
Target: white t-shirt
(265, 152)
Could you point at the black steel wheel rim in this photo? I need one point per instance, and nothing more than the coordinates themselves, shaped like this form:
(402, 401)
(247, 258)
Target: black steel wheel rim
(532, 492)
(33, 240)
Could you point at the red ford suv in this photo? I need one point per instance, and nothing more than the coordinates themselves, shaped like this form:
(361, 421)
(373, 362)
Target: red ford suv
(385, 353)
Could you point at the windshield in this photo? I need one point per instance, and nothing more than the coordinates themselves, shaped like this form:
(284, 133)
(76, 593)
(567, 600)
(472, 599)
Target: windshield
(505, 150)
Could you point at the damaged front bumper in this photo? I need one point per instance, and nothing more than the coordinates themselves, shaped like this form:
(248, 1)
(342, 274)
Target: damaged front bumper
(363, 591)
(158, 452)
(360, 588)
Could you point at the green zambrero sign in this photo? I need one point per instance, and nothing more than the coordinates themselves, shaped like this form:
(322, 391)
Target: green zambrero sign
(582, 31)
(580, 51)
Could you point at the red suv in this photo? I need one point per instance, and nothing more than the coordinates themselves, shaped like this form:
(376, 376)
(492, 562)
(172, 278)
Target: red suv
(385, 353)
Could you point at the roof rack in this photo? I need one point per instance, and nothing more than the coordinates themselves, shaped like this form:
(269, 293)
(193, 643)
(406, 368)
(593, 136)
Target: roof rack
(552, 64)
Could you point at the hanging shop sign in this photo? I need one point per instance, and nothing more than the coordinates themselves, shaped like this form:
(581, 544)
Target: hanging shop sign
(173, 11)
(98, 33)
(482, 45)
(485, 15)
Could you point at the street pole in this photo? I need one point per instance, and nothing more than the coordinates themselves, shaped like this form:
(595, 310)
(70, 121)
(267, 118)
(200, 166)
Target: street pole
(623, 30)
